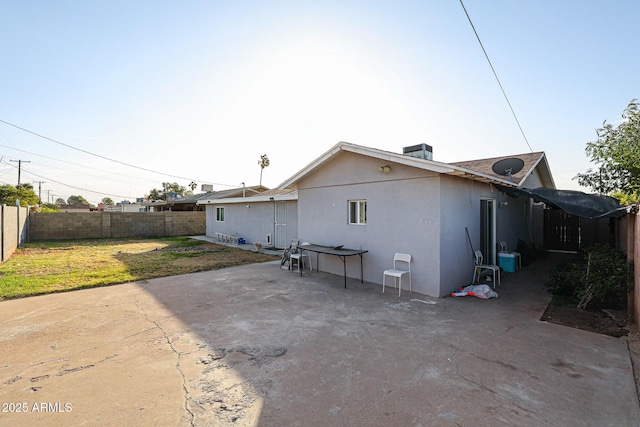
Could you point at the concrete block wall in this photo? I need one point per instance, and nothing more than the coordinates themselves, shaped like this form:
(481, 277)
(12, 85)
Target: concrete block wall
(13, 229)
(83, 225)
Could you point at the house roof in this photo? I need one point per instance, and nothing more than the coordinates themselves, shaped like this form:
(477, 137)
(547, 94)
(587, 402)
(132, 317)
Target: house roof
(531, 160)
(477, 170)
(277, 195)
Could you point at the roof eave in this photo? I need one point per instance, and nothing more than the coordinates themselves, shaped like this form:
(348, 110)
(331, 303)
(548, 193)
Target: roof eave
(370, 152)
(254, 199)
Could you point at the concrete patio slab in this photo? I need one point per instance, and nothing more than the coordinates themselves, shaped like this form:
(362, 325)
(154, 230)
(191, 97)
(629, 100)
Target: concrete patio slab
(259, 345)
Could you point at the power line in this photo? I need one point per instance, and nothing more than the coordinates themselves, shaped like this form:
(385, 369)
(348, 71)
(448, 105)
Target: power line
(104, 157)
(77, 164)
(496, 76)
(70, 186)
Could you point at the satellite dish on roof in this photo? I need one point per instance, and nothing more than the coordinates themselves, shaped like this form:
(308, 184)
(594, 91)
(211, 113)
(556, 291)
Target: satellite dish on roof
(508, 167)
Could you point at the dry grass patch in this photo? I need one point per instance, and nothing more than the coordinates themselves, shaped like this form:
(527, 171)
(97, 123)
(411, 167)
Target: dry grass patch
(54, 266)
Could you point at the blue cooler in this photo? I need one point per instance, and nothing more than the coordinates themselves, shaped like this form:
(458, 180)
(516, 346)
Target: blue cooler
(507, 262)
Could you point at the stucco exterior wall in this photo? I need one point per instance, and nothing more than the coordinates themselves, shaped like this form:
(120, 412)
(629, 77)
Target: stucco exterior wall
(13, 229)
(252, 221)
(403, 215)
(460, 204)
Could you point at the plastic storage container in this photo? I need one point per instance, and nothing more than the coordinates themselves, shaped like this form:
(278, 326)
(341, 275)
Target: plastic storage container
(507, 262)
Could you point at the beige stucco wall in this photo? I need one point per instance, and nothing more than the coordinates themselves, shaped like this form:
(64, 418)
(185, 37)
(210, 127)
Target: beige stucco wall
(13, 229)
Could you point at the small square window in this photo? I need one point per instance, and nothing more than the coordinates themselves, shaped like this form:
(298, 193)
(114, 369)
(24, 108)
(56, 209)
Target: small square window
(358, 212)
(220, 214)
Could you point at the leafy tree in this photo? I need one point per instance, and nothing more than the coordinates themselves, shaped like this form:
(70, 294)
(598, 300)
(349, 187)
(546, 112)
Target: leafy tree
(263, 162)
(49, 207)
(60, 201)
(169, 187)
(108, 201)
(77, 200)
(9, 194)
(616, 154)
(626, 199)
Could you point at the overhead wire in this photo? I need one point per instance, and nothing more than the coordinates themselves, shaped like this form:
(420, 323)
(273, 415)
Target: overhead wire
(78, 164)
(496, 76)
(62, 183)
(107, 158)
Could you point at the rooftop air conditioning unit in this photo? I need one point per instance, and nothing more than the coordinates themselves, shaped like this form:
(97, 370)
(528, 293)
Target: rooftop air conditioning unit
(420, 151)
(207, 188)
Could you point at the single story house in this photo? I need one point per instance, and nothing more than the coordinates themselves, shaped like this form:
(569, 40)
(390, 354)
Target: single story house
(192, 203)
(269, 217)
(384, 202)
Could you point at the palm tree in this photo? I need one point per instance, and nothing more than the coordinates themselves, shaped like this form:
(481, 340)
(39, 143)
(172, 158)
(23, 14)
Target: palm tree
(263, 162)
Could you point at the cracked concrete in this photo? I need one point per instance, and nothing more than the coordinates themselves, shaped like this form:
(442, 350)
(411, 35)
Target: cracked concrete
(258, 345)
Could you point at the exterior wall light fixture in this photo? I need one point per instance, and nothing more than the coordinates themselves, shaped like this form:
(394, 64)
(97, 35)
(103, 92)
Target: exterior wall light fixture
(384, 169)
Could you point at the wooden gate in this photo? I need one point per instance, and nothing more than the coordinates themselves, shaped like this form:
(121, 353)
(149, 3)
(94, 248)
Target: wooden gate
(561, 231)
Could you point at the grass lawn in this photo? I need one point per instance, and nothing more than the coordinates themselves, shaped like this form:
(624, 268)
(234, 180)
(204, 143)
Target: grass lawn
(55, 266)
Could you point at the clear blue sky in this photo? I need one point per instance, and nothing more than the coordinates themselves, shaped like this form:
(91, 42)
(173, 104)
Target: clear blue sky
(200, 89)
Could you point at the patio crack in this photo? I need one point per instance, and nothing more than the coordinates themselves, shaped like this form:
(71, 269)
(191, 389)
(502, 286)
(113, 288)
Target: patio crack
(178, 359)
(454, 360)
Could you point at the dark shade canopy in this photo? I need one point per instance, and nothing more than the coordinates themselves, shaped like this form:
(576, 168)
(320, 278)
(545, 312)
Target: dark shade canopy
(577, 203)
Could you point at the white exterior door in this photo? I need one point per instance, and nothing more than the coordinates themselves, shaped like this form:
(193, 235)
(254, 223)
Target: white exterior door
(281, 225)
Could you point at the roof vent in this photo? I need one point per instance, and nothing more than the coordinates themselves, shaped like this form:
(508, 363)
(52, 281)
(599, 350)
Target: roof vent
(420, 151)
(508, 167)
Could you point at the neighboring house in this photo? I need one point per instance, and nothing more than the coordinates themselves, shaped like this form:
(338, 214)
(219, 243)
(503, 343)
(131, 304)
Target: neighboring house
(122, 207)
(269, 218)
(77, 208)
(384, 202)
(191, 203)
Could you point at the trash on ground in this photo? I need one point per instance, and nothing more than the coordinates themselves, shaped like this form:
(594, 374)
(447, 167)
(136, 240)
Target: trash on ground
(478, 291)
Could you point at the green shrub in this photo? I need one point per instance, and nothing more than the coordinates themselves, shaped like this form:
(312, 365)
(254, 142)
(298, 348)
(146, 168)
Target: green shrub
(599, 276)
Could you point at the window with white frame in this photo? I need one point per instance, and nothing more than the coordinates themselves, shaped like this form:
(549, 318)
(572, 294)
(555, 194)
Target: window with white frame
(357, 212)
(220, 214)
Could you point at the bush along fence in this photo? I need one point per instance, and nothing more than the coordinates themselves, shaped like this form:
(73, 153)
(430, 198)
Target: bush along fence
(14, 223)
(96, 225)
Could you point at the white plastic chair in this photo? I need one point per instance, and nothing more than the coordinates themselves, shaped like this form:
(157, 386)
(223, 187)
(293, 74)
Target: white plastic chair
(298, 253)
(479, 267)
(397, 273)
(502, 247)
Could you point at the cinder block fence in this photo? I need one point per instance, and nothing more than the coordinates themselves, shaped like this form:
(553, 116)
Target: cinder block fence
(85, 225)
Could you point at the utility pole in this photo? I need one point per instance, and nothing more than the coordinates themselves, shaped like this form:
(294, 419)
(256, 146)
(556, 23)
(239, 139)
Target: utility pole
(19, 168)
(40, 191)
